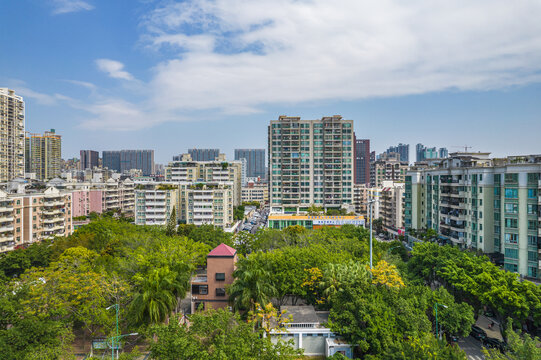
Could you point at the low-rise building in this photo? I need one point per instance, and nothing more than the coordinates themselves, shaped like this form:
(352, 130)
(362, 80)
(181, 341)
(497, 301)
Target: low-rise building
(154, 203)
(281, 221)
(31, 217)
(208, 290)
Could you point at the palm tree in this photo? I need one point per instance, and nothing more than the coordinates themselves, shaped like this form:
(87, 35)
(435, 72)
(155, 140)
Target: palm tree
(251, 286)
(337, 277)
(157, 295)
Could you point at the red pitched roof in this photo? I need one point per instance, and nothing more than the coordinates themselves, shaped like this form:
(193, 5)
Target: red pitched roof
(222, 250)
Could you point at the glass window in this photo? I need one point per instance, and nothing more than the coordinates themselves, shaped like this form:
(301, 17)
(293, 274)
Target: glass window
(532, 240)
(511, 223)
(220, 291)
(532, 256)
(511, 208)
(511, 238)
(220, 276)
(532, 193)
(511, 193)
(532, 224)
(511, 253)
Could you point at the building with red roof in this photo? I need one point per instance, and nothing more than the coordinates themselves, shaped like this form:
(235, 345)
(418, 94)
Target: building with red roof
(208, 290)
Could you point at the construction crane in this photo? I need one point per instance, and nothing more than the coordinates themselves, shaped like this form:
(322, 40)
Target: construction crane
(466, 147)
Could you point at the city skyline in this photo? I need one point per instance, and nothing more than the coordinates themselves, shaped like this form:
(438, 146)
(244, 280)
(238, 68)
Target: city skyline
(120, 84)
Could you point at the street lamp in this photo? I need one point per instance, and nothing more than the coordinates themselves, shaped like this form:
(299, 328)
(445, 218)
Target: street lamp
(115, 340)
(436, 309)
(370, 207)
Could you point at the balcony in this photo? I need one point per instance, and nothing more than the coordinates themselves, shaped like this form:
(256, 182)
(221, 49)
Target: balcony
(5, 228)
(53, 203)
(52, 211)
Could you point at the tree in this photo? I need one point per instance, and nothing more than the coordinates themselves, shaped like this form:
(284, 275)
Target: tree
(216, 335)
(315, 210)
(156, 295)
(424, 347)
(520, 347)
(268, 319)
(211, 235)
(238, 212)
(457, 318)
(385, 274)
(337, 277)
(252, 285)
(171, 223)
(14, 263)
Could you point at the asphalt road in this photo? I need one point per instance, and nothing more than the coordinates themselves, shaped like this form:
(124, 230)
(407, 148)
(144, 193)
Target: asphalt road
(472, 348)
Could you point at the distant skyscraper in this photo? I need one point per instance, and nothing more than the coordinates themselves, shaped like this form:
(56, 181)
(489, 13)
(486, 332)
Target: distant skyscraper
(362, 161)
(11, 135)
(425, 153)
(89, 159)
(402, 149)
(444, 153)
(125, 160)
(204, 154)
(43, 154)
(255, 161)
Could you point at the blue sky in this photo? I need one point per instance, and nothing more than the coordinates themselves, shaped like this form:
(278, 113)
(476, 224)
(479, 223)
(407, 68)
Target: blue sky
(170, 75)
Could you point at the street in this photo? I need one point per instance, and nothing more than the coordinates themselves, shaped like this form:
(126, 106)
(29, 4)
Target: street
(471, 347)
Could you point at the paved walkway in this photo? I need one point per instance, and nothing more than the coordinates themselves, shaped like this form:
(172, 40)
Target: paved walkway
(472, 348)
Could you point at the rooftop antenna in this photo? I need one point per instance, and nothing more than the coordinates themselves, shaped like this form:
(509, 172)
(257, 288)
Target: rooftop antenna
(466, 147)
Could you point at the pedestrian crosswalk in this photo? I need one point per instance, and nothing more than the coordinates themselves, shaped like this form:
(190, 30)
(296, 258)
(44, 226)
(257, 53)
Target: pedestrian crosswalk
(476, 357)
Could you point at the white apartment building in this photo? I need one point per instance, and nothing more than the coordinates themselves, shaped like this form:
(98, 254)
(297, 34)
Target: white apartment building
(391, 206)
(476, 202)
(310, 162)
(12, 141)
(255, 192)
(206, 203)
(208, 172)
(154, 203)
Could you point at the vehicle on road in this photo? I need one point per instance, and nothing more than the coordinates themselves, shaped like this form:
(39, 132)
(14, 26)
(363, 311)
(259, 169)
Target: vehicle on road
(478, 333)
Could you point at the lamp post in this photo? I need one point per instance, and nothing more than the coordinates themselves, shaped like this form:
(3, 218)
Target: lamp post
(370, 203)
(436, 309)
(115, 340)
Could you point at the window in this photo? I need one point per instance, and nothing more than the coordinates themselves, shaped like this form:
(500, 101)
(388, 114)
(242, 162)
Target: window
(220, 276)
(511, 193)
(511, 178)
(511, 253)
(532, 240)
(497, 191)
(532, 256)
(532, 193)
(220, 291)
(532, 271)
(511, 238)
(532, 209)
(203, 289)
(511, 208)
(532, 224)
(511, 223)
(511, 267)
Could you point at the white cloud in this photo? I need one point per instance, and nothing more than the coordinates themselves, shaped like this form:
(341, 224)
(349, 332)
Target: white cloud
(114, 69)
(40, 98)
(240, 54)
(68, 6)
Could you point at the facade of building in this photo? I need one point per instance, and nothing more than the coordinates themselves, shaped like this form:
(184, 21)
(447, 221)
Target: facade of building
(281, 221)
(401, 149)
(362, 161)
(310, 162)
(33, 217)
(123, 161)
(201, 155)
(255, 192)
(43, 155)
(255, 161)
(390, 209)
(12, 162)
(208, 172)
(476, 202)
(205, 203)
(388, 167)
(89, 159)
(209, 290)
(154, 203)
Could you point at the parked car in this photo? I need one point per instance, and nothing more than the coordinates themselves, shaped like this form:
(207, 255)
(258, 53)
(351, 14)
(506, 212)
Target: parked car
(478, 333)
(494, 344)
(453, 338)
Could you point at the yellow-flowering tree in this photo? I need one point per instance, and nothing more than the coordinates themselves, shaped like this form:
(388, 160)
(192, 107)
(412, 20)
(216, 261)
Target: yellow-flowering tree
(311, 284)
(386, 274)
(268, 318)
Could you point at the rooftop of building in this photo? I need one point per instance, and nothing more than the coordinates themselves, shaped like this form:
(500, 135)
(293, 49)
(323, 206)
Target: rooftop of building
(475, 160)
(313, 217)
(222, 250)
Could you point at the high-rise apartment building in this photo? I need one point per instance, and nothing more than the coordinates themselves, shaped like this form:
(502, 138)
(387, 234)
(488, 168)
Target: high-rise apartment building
(362, 161)
(125, 160)
(388, 167)
(476, 202)
(201, 154)
(310, 162)
(255, 161)
(11, 135)
(402, 149)
(43, 154)
(89, 159)
(443, 152)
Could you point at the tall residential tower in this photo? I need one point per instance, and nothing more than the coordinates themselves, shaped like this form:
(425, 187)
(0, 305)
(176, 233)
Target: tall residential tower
(11, 135)
(43, 154)
(255, 161)
(310, 162)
